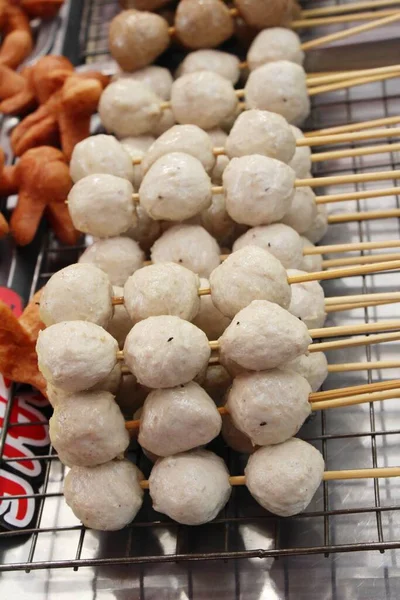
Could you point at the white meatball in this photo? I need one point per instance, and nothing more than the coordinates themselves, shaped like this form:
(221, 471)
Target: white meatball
(279, 87)
(146, 230)
(234, 438)
(261, 132)
(77, 293)
(106, 497)
(209, 319)
(246, 275)
(165, 351)
(202, 98)
(188, 139)
(311, 262)
(278, 239)
(285, 477)
(131, 395)
(121, 323)
(272, 44)
(189, 245)
(308, 301)
(175, 188)
(218, 139)
(158, 79)
(319, 226)
(263, 336)
(178, 419)
(301, 161)
(166, 122)
(191, 488)
(303, 211)
(269, 406)
(100, 154)
(216, 382)
(222, 63)
(102, 205)
(129, 108)
(258, 190)
(312, 366)
(88, 429)
(162, 289)
(75, 355)
(136, 148)
(216, 220)
(119, 257)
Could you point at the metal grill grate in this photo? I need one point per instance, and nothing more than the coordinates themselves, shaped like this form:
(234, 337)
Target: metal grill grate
(344, 516)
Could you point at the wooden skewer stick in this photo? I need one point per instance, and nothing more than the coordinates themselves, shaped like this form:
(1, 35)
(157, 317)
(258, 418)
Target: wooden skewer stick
(351, 152)
(341, 85)
(347, 8)
(361, 297)
(335, 19)
(351, 247)
(354, 136)
(353, 127)
(369, 259)
(355, 390)
(342, 75)
(362, 340)
(358, 305)
(358, 195)
(368, 215)
(364, 366)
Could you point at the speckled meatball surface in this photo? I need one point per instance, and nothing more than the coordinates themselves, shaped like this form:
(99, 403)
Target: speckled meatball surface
(223, 63)
(285, 477)
(178, 419)
(88, 429)
(165, 351)
(258, 190)
(313, 366)
(234, 438)
(75, 355)
(106, 497)
(308, 301)
(137, 146)
(209, 319)
(278, 239)
(263, 336)
(259, 14)
(119, 257)
(100, 154)
(246, 275)
(79, 292)
(162, 289)
(272, 44)
(191, 488)
(319, 226)
(311, 262)
(158, 79)
(301, 161)
(203, 24)
(269, 406)
(303, 211)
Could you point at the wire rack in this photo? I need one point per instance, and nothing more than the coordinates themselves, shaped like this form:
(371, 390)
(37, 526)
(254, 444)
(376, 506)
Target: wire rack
(344, 516)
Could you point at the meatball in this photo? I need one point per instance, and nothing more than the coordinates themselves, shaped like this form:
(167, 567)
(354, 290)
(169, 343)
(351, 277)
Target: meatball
(166, 122)
(319, 226)
(121, 323)
(129, 108)
(216, 382)
(175, 188)
(261, 132)
(269, 406)
(281, 88)
(106, 497)
(260, 14)
(223, 63)
(308, 301)
(246, 275)
(303, 211)
(285, 477)
(137, 38)
(311, 262)
(263, 336)
(146, 230)
(102, 205)
(75, 355)
(209, 319)
(234, 438)
(301, 161)
(278, 239)
(272, 44)
(203, 98)
(216, 220)
(312, 366)
(88, 429)
(165, 351)
(100, 154)
(131, 395)
(137, 148)
(119, 257)
(78, 292)
(158, 79)
(203, 24)
(178, 419)
(188, 139)
(162, 289)
(189, 245)
(191, 487)
(218, 139)
(258, 190)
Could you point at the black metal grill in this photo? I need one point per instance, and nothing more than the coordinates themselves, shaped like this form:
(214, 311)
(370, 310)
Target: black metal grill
(344, 516)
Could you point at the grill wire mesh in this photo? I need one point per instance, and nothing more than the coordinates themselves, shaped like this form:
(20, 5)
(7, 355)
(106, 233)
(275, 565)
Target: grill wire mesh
(344, 516)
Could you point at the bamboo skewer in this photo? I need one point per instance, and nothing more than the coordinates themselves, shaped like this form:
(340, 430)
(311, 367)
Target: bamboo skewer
(335, 19)
(332, 87)
(353, 127)
(355, 390)
(361, 297)
(351, 152)
(369, 259)
(341, 75)
(354, 400)
(352, 136)
(364, 366)
(364, 216)
(362, 340)
(351, 247)
(346, 8)
(358, 195)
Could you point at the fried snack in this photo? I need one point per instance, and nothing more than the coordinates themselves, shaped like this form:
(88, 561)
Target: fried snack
(30, 318)
(18, 359)
(18, 41)
(43, 181)
(43, 9)
(3, 222)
